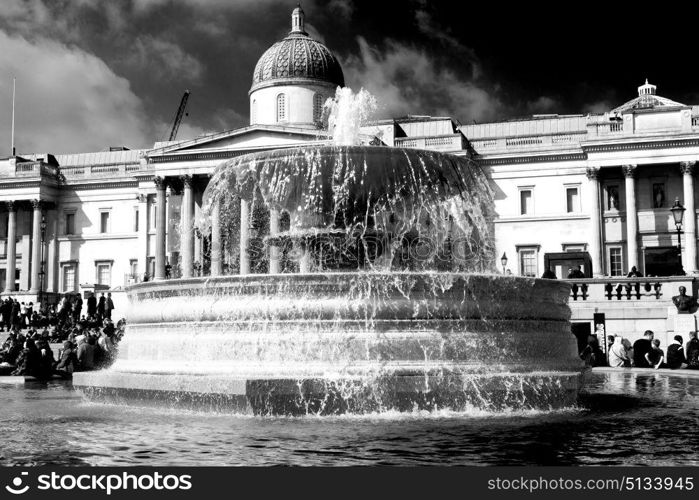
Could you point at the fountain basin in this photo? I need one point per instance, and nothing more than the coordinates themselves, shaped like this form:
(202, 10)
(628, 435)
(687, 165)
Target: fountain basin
(345, 342)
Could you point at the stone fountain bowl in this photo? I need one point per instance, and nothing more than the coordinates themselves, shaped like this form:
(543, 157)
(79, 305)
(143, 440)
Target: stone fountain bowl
(345, 342)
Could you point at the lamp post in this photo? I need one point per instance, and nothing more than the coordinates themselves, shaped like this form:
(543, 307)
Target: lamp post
(678, 213)
(41, 270)
(503, 261)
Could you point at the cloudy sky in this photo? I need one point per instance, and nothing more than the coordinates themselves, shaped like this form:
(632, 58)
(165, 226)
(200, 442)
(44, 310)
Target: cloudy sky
(92, 73)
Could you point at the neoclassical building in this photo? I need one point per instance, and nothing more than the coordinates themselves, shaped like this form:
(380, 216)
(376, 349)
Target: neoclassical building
(592, 190)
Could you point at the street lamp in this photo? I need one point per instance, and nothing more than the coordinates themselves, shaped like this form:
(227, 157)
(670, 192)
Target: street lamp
(678, 213)
(41, 270)
(503, 261)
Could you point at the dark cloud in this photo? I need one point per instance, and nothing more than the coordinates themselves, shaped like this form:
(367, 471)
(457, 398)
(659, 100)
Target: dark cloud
(95, 73)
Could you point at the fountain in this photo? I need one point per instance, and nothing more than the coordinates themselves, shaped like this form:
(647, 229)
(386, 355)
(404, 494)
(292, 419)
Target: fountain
(372, 289)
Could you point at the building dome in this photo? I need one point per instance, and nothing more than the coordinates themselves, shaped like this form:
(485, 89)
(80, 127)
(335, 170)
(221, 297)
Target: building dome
(297, 57)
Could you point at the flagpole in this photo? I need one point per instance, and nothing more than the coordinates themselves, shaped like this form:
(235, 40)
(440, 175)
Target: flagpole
(14, 80)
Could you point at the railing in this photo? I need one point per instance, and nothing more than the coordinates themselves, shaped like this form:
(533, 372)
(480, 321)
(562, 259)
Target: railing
(105, 170)
(606, 128)
(518, 143)
(32, 169)
(452, 142)
(616, 289)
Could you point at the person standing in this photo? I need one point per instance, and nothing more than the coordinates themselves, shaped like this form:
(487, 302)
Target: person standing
(77, 308)
(14, 314)
(91, 305)
(675, 354)
(109, 306)
(692, 352)
(642, 347)
(100, 308)
(617, 354)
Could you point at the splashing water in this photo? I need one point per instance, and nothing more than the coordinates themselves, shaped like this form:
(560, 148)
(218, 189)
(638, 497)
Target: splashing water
(347, 113)
(419, 330)
(358, 207)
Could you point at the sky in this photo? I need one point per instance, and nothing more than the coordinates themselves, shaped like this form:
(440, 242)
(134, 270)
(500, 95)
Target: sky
(97, 73)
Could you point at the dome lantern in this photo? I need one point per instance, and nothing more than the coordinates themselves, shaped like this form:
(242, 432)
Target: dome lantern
(297, 20)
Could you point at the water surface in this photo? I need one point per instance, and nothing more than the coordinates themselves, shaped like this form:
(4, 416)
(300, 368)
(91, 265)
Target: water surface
(623, 419)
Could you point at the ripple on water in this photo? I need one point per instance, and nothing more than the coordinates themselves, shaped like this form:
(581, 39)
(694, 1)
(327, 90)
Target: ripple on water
(619, 421)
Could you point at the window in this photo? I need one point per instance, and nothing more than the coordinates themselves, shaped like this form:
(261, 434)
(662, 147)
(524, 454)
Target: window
(135, 220)
(253, 112)
(281, 107)
(104, 222)
(317, 108)
(613, 197)
(616, 263)
(572, 199)
(133, 267)
(69, 277)
(526, 202)
(103, 273)
(528, 262)
(70, 223)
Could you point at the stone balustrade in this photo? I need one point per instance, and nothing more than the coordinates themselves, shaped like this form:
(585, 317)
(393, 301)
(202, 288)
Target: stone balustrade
(615, 289)
(106, 170)
(452, 142)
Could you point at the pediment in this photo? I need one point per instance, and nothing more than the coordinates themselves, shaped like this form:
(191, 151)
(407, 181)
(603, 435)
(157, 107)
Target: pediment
(252, 138)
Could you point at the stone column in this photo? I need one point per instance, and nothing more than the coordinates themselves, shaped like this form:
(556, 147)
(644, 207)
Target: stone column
(273, 249)
(160, 227)
(690, 220)
(52, 253)
(244, 236)
(11, 247)
(187, 228)
(142, 256)
(631, 216)
(216, 239)
(36, 246)
(595, 223)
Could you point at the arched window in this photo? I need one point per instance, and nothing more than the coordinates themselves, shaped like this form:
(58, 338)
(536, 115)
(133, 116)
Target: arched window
(317, 108)
(281, 107)
(253, 112)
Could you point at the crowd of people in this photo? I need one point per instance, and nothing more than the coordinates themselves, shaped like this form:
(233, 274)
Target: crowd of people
(90, 340)
(644, 353)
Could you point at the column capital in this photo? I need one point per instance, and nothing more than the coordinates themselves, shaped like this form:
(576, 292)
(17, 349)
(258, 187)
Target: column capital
(142, 197)
(629, 170)
(37, 204)
(11, 206)
(160, 182)
(187, 180)
(687, 167)
(592, 173)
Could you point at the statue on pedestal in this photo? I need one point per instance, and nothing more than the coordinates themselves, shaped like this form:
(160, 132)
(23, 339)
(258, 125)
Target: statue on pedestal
(684, 303)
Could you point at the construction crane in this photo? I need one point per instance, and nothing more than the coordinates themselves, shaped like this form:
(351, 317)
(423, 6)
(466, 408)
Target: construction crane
(180, 114)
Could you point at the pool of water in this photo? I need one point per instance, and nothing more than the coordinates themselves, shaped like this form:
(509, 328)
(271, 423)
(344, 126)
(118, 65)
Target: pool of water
(622, 418)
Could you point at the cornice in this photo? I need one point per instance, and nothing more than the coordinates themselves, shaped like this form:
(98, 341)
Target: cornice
(640, 146)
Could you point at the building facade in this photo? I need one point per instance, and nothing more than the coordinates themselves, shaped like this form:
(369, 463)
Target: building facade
(589, 190)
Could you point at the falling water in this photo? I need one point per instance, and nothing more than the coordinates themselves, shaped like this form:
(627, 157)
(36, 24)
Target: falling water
(347, 113)
(386, 299)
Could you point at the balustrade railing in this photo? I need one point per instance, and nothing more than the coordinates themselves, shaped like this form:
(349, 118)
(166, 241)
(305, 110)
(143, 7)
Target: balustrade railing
(626, 289)
(442, 142)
